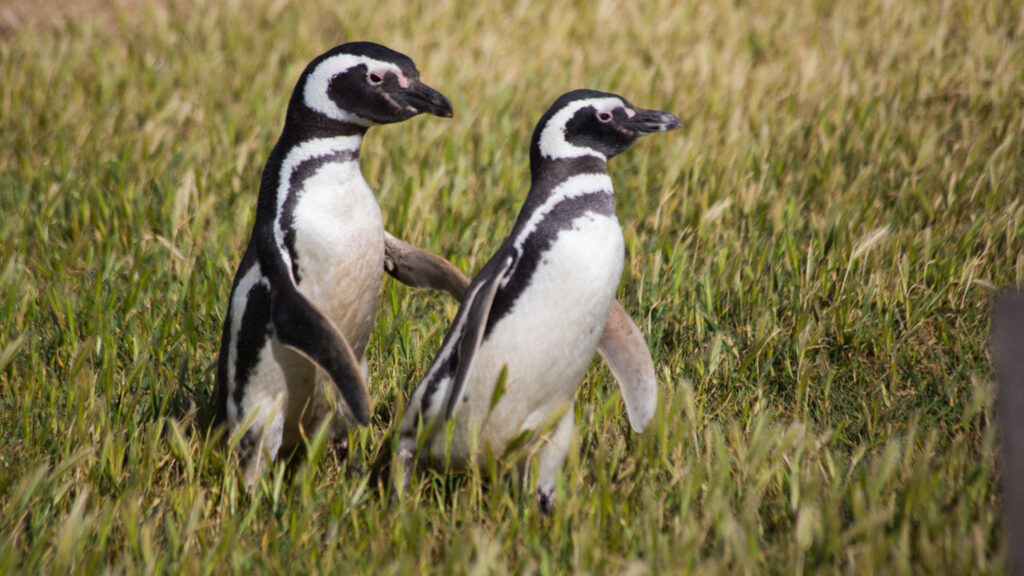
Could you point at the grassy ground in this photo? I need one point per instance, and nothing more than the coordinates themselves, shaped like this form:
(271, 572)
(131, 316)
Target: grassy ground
(811, 259)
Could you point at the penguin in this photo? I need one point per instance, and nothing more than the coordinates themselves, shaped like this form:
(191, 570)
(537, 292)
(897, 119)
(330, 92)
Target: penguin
(530, 322)
(304, 297)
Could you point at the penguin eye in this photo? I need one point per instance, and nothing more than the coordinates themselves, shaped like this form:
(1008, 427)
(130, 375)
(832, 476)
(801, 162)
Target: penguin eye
(374, 79)
(603, 116)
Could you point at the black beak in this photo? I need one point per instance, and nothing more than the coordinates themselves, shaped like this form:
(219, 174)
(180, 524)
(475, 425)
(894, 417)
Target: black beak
(423, 98)
(649, 121)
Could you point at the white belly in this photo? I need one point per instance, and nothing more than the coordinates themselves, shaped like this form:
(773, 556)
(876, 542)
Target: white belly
(340, 246)
(547, 340)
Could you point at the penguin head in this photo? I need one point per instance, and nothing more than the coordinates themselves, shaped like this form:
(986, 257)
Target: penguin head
(592, 123)
(364, 84)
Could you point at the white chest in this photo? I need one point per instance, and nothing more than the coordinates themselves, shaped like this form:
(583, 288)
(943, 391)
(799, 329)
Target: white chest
(550, 336)
(339, 244)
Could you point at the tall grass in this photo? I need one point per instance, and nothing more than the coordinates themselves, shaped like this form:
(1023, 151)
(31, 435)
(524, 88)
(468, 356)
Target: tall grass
(811, 259)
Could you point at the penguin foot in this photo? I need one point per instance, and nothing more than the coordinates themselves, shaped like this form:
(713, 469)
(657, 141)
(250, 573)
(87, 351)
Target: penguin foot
(250, 458)
(546, 500)
(354, 467)
(403, 472)
(340, 449)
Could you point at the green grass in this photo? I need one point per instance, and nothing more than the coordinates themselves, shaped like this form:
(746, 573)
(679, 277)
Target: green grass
(811, 259)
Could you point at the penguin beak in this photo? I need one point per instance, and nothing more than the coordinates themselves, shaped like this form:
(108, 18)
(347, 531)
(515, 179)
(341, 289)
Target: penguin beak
(423, 98)
(650, 121)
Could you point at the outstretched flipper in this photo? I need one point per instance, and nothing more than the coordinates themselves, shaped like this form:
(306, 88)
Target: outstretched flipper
(623, 348)
(453, 364)
(422, 269)
(471, 322)
(301, 327)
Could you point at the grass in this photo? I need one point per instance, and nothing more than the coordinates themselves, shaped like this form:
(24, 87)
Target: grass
(811, 260)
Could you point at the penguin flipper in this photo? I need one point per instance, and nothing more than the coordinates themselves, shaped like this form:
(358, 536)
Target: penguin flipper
(301, 327)
(422, 269)
(623, 348)
(475, 311)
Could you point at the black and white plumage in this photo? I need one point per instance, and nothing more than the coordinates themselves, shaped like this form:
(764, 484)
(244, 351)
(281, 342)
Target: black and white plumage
(541, 306)
(305, 294)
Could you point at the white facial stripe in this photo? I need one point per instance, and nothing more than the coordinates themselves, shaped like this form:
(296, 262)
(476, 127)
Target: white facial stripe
(296, 156)
(574, 186)
(552, 139)
(314, 93)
